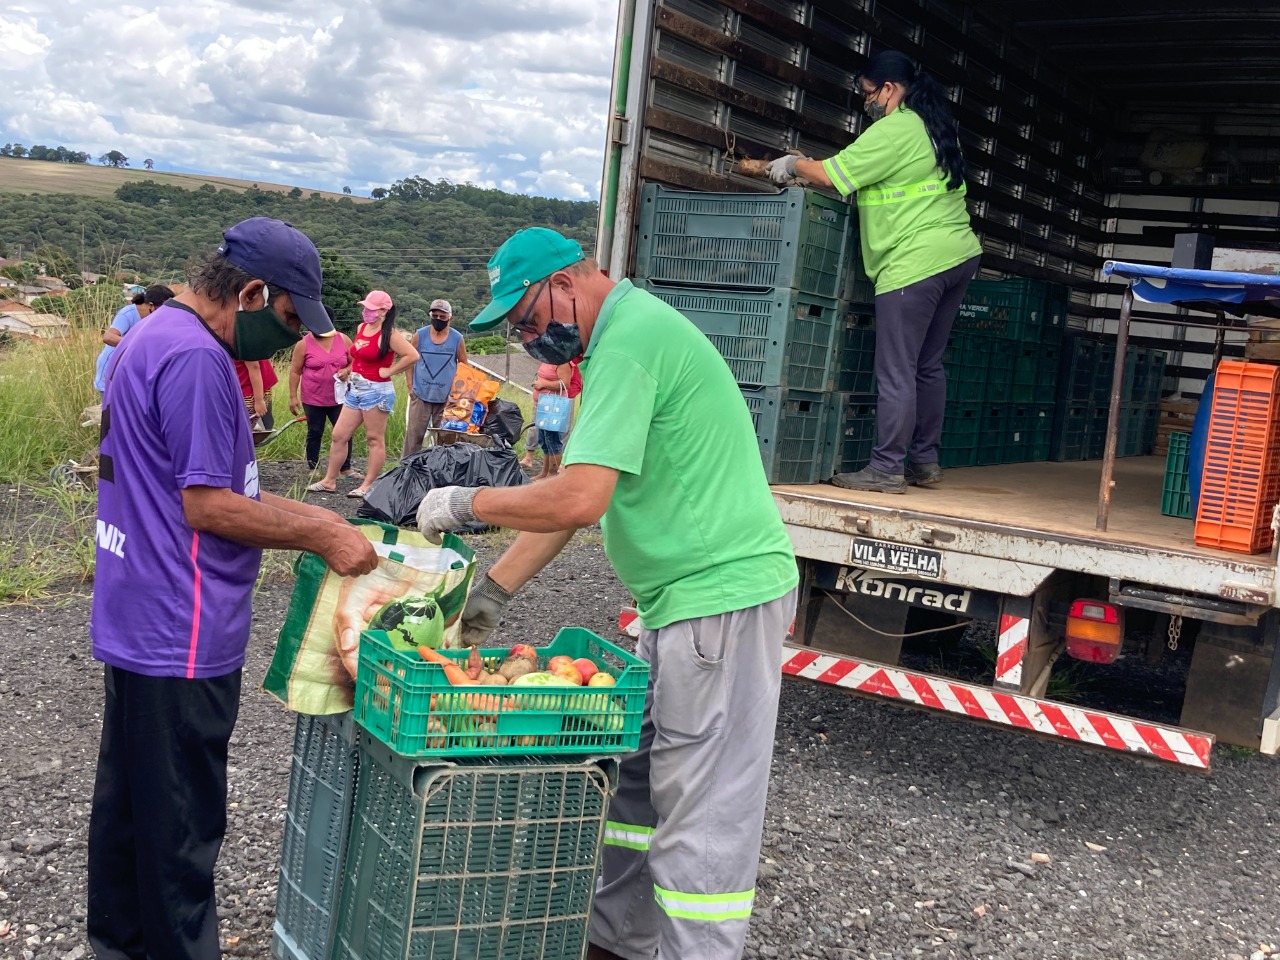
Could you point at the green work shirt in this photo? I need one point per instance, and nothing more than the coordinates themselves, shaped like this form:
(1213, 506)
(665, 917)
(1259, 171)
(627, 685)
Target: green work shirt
(913, 227)
(692, 529)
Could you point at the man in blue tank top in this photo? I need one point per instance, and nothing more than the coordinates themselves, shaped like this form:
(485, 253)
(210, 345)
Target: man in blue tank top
(440, 350)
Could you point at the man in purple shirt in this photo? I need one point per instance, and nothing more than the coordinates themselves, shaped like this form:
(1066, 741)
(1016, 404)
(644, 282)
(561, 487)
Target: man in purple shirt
(181, 527)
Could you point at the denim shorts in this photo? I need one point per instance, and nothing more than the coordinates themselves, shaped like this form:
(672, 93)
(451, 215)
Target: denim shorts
(370, 395)
(551, 441)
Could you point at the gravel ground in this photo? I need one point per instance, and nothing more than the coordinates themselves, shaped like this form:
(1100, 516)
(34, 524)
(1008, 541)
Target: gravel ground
(891, 833)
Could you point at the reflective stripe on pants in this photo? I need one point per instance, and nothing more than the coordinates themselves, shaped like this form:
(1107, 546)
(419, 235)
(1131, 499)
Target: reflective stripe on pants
(682, 843)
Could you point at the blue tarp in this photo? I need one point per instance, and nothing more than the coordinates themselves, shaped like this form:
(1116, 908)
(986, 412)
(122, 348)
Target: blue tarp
(1235, 292)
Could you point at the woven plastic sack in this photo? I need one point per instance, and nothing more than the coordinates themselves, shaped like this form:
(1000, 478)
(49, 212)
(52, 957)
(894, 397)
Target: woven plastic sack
(314, 667)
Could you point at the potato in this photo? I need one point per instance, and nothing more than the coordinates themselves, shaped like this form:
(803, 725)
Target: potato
(514, 667)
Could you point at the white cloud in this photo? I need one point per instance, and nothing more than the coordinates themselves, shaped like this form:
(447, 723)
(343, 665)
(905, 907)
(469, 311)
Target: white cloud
(323, 95)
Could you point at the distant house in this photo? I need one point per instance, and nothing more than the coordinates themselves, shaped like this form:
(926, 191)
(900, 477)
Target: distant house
(36, 326)
(13, 306)
(28, 292)
(90, 278)
(50, 283)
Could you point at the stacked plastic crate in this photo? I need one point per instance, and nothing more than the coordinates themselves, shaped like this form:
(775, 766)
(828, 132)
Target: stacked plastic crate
(1086, 372)
(1240, 483)
(1002, 371)
(761, 275)
(454, 822)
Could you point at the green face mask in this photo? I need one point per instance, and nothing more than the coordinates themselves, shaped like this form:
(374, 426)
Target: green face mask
(261, 334)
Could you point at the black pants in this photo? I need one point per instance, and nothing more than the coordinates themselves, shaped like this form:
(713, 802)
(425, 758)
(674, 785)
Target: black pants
(316, 417)
(912, 327)
(159, 816)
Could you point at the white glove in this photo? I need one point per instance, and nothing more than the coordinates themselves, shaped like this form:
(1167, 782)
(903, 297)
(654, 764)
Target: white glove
(484, 608)
(783, 169)
(444, 509)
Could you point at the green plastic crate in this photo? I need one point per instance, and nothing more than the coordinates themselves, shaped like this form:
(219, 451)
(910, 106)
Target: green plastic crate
(851, 432)
(477, 859)
(1176, 498)
(1010, 309)
(966, 362)
(317, 820)
(857, 373)
(1070, 435)
(1028, 433)
(1076, 370)
(395, 690)
(795, 239)
(790, 430)
(782, 338)
(992, 442)
(1001, 367)
(961, 435)
(1046, 388)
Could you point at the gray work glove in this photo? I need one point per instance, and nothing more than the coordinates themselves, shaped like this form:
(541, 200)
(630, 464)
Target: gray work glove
(483, 611)
(444, 509)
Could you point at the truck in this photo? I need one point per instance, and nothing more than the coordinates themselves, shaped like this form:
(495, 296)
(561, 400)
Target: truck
(1094, 132)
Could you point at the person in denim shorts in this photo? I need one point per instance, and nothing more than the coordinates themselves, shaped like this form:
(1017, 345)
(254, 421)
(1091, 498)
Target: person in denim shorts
(378, 352)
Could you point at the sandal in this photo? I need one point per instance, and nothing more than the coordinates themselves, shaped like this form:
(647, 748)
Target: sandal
(351, 475)
(319, 487)
(359, 493)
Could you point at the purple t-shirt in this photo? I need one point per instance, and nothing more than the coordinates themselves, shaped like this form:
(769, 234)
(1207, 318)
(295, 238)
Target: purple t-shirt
(170, 601)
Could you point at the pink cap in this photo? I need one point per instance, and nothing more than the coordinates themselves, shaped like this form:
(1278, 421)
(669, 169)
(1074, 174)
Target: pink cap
(377, 300)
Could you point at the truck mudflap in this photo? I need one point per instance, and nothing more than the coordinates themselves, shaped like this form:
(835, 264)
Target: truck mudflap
(1186, 749)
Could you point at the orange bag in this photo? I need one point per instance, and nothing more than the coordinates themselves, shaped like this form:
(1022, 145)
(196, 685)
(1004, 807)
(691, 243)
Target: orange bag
(469, 387)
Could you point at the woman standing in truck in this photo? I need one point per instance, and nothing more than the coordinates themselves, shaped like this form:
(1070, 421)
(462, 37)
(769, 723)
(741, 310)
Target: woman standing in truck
(917, 247)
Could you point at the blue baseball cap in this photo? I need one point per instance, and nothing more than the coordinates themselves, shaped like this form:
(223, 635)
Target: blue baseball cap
(281, 255)
(528, 256)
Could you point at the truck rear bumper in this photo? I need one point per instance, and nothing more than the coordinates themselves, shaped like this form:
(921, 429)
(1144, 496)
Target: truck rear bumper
(1187, 749)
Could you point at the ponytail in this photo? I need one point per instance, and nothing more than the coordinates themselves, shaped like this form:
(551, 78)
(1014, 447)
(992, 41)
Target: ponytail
(138, 299)
(926, 98)
(388, 324)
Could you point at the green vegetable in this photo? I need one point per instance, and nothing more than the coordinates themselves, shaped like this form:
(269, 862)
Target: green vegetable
(411, 622)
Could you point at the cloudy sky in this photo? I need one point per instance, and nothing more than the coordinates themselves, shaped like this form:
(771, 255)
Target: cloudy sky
(504, 93)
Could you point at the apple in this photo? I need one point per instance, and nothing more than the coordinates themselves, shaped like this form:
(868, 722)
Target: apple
(567, 671)
(524, 650)
(586, 669)
(560, 661)
(601, 679)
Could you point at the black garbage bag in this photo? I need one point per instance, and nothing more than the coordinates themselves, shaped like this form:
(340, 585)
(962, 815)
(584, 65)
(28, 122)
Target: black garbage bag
(504, 421)
(394, 496)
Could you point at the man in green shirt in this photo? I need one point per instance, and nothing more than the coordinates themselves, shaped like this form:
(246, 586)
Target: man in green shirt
(664, 456)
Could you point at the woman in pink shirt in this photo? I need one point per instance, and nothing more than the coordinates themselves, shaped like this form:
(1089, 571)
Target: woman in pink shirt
(318, 365)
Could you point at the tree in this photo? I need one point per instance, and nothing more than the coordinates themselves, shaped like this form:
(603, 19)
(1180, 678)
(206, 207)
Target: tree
(18, 150)
(149, 163)
(378, 193)
(343, 287)
(347, 191)
(296, 193)
(113, 158)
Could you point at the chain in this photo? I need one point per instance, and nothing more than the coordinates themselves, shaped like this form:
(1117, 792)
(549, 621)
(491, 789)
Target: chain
(1175, 631)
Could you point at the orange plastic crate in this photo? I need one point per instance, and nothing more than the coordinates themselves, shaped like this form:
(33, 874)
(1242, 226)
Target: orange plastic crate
(1240, 485)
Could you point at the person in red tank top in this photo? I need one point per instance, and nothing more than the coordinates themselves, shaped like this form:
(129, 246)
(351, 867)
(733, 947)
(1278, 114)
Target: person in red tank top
(378, 352)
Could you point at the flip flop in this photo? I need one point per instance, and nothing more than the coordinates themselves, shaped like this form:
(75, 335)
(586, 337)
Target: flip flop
(351, 475)
(358, 493)
(319, 487)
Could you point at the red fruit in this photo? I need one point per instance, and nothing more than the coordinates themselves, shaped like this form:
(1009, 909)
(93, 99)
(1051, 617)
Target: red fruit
(524, 650)
(586, 669)
(566, 671)
(560, 661)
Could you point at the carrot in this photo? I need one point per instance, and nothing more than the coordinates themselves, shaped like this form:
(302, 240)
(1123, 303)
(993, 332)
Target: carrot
(452, 672)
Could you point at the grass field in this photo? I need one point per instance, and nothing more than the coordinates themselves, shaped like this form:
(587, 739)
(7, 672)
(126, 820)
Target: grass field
(42, 176)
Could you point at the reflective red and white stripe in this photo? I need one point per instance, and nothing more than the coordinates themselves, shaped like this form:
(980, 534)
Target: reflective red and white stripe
(1187, 748)
(1011, 650)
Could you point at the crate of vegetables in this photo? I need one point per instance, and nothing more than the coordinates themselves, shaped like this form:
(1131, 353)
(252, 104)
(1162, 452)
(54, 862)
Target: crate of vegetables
(579, 695)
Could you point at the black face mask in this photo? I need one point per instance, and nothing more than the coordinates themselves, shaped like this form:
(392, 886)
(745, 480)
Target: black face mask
(560, 342)
(439, 323)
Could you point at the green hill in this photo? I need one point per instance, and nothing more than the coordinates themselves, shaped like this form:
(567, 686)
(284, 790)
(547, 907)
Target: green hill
(425, 240)
(40, 176)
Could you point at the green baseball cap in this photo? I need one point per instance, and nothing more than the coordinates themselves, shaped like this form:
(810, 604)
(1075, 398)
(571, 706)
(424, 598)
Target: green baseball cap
(528, 256)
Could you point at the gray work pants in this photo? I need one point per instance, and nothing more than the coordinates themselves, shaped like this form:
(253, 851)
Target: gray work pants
(912, 327)
(683, 839)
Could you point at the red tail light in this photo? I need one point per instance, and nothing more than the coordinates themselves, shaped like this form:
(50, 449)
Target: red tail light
(1095, 631)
